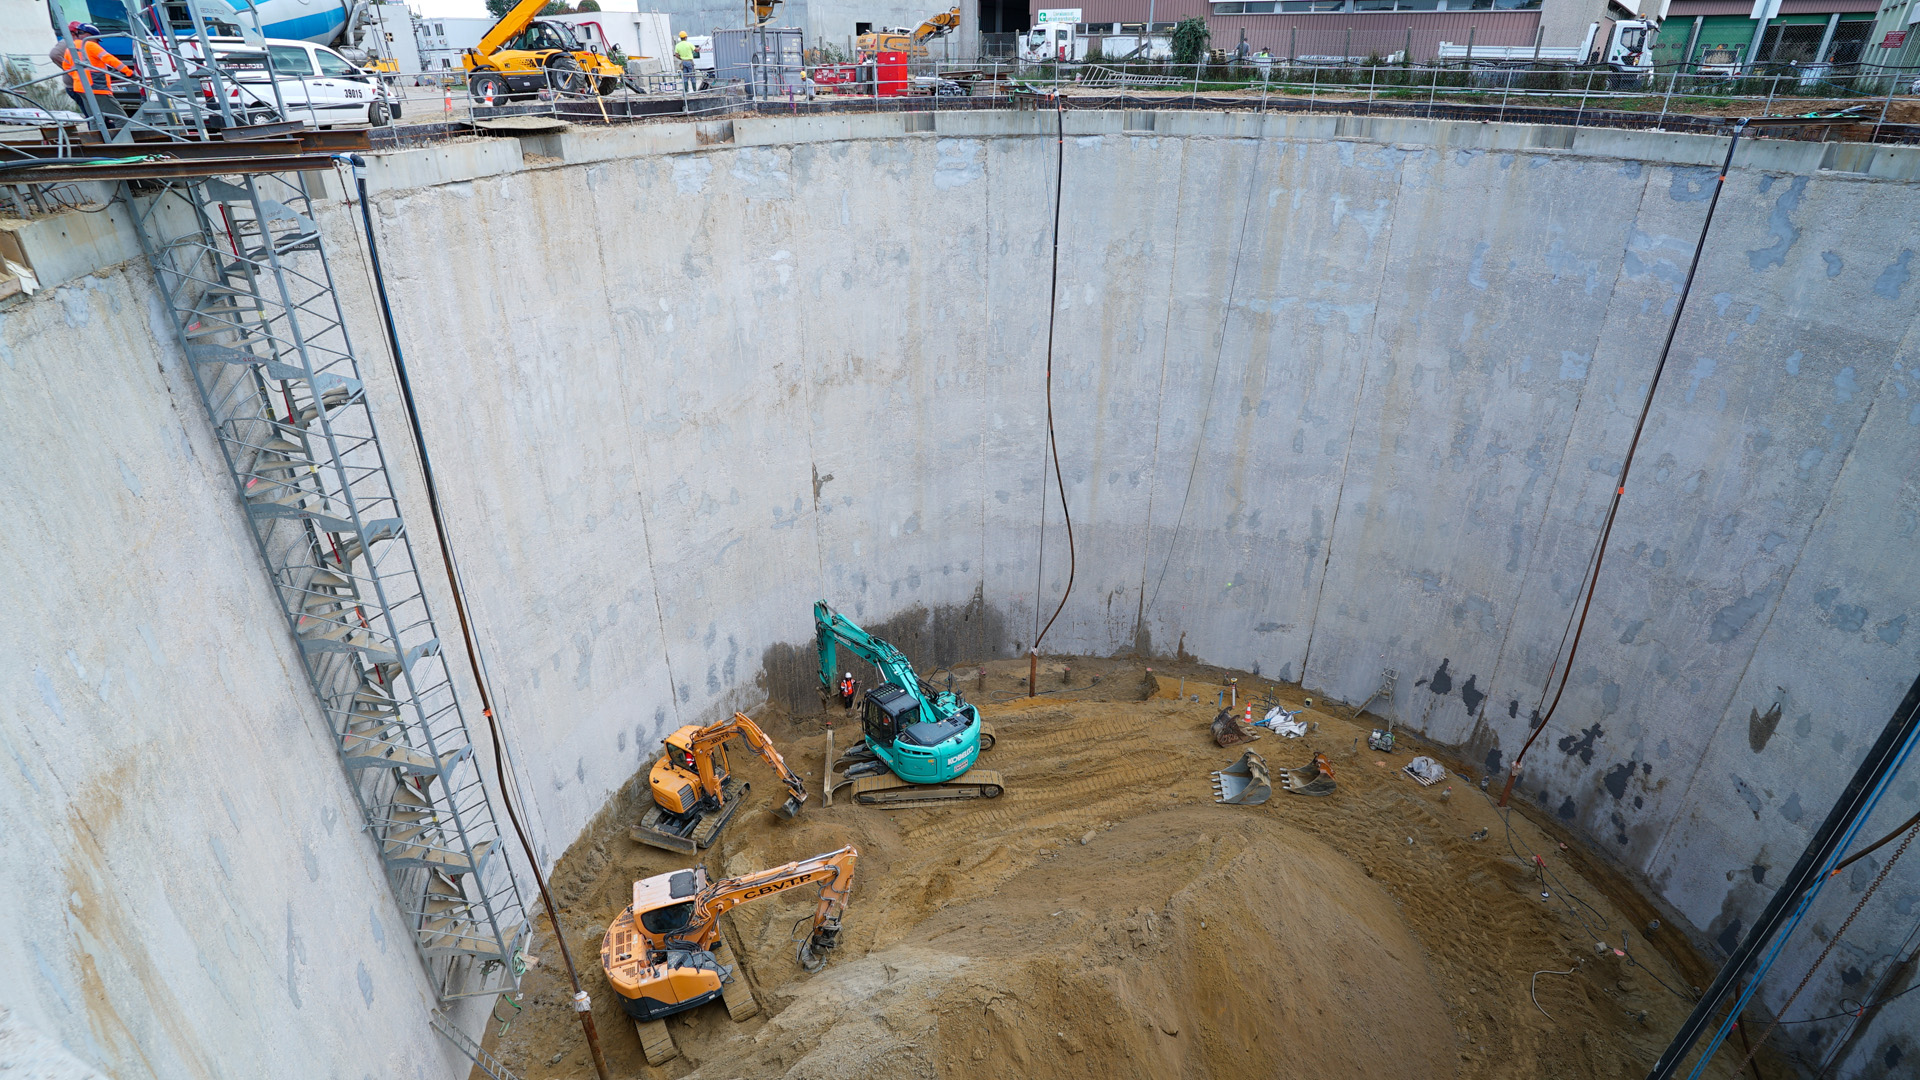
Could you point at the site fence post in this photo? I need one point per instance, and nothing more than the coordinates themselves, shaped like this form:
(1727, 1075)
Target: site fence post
(1293, 42)
(1588, 89)
(1672, 77)
(1772, 89)
(1373, 76)
(1313, 91)
(1874, 136)
(1433, 87)
(1406, 58)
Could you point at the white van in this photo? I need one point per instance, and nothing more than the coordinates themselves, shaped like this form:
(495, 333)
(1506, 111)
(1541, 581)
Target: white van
(318, 87)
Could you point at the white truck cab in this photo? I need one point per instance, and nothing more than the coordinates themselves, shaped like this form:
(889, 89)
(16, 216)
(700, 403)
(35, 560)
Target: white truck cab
(1623, 46)
(1060, 36)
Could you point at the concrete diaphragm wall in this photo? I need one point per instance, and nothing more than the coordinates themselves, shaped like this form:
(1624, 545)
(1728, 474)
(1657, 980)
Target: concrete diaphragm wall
(1332, 395)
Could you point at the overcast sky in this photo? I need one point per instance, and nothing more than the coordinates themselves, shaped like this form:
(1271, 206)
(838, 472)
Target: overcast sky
(451, 8)
(477, 9)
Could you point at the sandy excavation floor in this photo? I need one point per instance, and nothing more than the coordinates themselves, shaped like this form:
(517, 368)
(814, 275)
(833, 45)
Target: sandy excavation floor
(1105, 918)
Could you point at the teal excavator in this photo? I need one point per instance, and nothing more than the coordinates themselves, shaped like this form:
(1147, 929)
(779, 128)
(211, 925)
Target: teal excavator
(919, 744)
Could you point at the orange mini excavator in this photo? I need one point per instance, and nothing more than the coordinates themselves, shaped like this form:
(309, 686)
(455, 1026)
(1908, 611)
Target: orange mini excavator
(693, 792)
(665, 953)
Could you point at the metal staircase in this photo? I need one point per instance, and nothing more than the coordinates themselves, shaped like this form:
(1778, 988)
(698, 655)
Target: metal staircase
(240, 262)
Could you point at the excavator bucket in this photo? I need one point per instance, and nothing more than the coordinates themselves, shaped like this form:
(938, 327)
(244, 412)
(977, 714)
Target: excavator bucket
(1229, 730)
(1245, 782)
(1313, 778)
(786, 810)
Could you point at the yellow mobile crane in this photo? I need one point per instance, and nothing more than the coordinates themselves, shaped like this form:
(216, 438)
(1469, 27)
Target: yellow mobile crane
(523, 55)
(912, 42)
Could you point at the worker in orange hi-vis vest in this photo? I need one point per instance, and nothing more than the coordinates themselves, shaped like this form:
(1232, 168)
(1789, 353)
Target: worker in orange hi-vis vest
(90, 72)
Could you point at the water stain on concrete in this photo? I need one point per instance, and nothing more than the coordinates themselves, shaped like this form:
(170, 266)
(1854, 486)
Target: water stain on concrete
(1471, 695)
(1616, 779)
(1780, 224)
(1760, 727)
(1581, 746)
(108, 951)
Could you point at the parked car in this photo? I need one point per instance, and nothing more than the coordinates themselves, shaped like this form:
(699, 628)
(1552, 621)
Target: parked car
(317, 86)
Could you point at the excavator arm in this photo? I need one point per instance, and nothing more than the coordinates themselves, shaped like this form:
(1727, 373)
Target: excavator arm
(832, 629)
(834, 873)
(711, 738)
(937, 26)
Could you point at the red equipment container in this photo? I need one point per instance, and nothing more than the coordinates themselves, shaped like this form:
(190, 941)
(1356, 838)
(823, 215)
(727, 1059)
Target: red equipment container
(892, 70)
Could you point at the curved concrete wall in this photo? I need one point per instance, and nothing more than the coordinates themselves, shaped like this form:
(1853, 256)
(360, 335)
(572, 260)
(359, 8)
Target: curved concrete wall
(186, 886)
(1332, 395)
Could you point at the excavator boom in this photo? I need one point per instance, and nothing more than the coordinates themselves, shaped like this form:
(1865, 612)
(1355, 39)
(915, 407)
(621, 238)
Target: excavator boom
(741, 726)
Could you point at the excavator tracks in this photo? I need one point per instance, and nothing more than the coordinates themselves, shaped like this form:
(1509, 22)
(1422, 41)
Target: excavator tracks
(736, 991)
(889, 792)
(652, 828)
(657, 1041)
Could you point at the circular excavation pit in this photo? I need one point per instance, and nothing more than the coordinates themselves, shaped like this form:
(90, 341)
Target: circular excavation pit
(1106, 918)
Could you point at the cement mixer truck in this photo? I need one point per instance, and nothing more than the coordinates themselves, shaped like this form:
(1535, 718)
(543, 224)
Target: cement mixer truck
(345, 24)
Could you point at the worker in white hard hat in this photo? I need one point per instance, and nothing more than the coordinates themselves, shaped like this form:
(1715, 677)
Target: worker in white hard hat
(686, 51)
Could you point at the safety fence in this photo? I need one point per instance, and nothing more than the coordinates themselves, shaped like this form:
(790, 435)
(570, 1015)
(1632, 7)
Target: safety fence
(1667, 100)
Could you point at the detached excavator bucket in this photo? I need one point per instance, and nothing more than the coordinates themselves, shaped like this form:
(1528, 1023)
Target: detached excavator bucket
(1245, 782)
(1228, 729)
(1313, 778)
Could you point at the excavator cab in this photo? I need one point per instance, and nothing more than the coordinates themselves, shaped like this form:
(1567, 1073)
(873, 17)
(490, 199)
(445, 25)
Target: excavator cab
(890, 711)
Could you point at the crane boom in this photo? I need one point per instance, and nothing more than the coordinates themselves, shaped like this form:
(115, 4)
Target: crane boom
(510, 24)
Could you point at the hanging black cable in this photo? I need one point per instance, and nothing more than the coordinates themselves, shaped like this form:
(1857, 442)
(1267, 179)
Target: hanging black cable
(581, 1002)
(1053, 444)
(1620, 487)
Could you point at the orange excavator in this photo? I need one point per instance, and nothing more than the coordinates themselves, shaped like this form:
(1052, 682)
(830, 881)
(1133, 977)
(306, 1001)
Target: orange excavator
(665, 954)
(694, 793)
(912, 41)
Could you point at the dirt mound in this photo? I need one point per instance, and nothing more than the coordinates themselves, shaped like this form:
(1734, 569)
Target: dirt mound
(1183, 943)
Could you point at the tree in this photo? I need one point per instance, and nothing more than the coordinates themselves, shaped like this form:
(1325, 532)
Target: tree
(1190, 40)
(499, 8)
(586, 6)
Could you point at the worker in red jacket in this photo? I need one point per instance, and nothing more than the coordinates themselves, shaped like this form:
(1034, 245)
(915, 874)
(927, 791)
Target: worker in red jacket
(90, 71)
